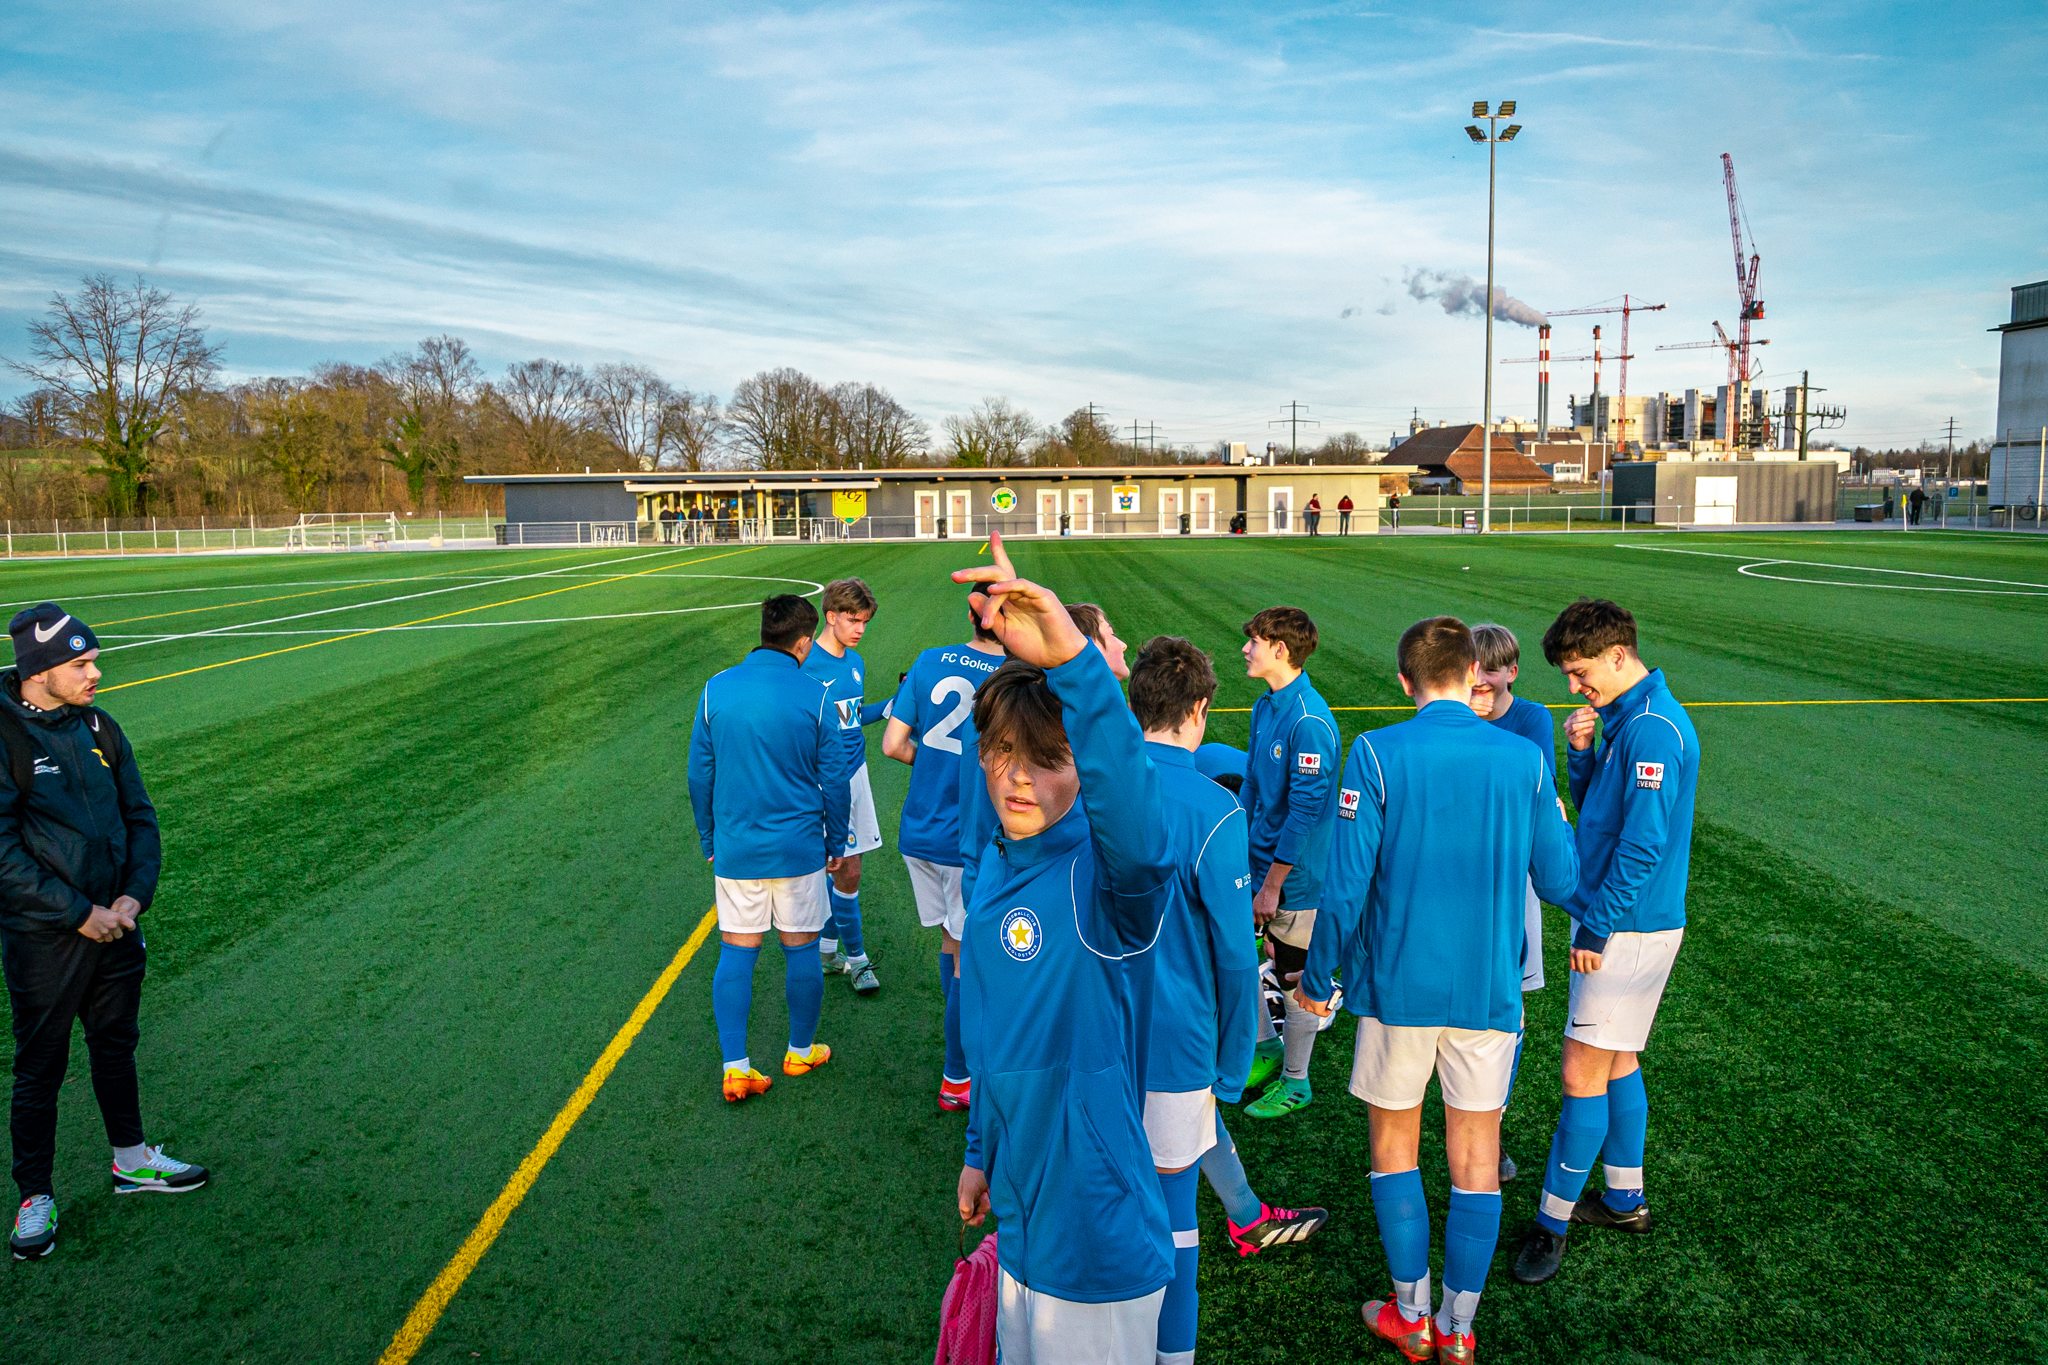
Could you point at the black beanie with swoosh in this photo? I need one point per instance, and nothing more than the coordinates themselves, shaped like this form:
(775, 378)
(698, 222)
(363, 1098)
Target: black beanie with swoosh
(45, 636)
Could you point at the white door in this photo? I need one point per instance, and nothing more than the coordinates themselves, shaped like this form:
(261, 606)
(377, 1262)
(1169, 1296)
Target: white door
(1716, 499)
(1205, 511)
(1081, 506)
(959, 513)
(1169, 511)
(1048, 512)
(1280, 509)
(927, 527)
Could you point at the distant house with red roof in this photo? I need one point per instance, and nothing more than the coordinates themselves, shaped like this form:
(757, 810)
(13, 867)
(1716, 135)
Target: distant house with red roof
(1454, 453)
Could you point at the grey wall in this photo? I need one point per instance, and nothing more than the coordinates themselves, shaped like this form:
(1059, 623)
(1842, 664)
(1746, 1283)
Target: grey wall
(1765, 490)
(569, 502)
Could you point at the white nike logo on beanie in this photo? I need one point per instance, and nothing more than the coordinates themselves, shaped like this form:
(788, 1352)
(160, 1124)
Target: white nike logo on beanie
(44, 637)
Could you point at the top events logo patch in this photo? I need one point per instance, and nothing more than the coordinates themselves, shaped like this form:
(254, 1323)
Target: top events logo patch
(1309, 763)
(1347, 804)
(1650, 775)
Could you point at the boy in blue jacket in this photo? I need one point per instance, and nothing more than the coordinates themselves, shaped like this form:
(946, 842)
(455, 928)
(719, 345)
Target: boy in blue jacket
(1635, 800)
(1443, 821)
(768, 788)
(1290, 798)
(834, 661)
(1056, 993)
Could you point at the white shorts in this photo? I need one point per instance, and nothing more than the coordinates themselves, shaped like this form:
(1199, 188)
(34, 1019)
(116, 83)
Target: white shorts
(1180, 1125)
(1615, 1006)
(1532, 950)
(937, 889)
(754, 905)
(863, 829)
(1393, 1064)
(1038, 1329)
(1295, 928)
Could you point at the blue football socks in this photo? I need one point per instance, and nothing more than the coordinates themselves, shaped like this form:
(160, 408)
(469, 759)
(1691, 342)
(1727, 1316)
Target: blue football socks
(956, 1055)
(1581, 1128)
(804, 981)
(1403, 1213)
(846, 918)
(1182, 1304)
(1226, 1176)
(1471, 1230)
(1628, 1122)
(732, 999)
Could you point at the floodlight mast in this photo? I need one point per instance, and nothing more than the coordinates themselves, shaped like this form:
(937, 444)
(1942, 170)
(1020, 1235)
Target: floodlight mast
(1494, 135)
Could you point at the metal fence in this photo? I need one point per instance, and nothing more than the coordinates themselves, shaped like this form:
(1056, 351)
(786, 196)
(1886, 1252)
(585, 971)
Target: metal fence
(193, 535)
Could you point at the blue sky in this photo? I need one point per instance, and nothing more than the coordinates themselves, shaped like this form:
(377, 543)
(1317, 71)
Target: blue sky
(1187, 215)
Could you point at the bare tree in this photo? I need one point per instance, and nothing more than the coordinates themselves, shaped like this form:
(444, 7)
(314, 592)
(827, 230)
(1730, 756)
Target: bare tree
(294, 431)
(781, 419)
(546, 401)
(650, 421)
(993, 433)
(1348, 448)
(871, 430)
(37, 418)
(1081, 438)
(117, 358)
(691, 425)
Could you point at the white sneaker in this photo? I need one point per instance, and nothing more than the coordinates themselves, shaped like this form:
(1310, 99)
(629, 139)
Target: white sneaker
(163, 1174)
(35, 1228)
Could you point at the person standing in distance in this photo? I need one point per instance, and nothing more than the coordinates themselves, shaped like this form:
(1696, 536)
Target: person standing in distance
(835, 661)
(925, 721)
(79, 859)
(1290, 797)
(1423, 914)
(1493, 697)
(1635, 799)
(769, 791)
(1344, 506)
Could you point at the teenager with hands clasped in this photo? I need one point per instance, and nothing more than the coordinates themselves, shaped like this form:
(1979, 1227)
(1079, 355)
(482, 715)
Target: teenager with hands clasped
(1055, 991)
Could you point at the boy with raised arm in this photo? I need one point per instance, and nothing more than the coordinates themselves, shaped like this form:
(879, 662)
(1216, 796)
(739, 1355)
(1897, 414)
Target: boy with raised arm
(769, 792)
(1289, 796)
(925, 723)
(1500, 664)
(1424, 916)
(835, 661)
(1635, 800)
(1056, 992)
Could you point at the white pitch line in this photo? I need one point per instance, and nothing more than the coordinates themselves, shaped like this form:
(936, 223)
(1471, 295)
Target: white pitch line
(238, 587)
(380, 602)
(1763, 560)
(1751, 571)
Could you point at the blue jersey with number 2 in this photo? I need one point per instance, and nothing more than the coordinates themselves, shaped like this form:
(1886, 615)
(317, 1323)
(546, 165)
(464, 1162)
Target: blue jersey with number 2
(936, 701)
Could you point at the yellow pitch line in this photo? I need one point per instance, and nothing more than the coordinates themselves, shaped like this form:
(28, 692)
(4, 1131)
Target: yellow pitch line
(419, 1324)
(379, 630)
(1837, 701)
(286, 597)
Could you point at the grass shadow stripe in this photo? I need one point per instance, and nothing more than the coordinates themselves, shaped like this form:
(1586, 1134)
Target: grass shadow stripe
(419, 1324)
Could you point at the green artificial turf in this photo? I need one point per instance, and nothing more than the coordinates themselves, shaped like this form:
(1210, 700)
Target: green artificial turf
(415, 882)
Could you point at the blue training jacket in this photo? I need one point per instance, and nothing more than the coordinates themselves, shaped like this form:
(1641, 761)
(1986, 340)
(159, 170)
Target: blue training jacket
(1635, 798)
(936, 700)
(1533, 722)
(768, 776)
(1205, 1001)
(844, 676)
(1220, 760)
(1290, 788)
(1444, 819)
(1055, 986)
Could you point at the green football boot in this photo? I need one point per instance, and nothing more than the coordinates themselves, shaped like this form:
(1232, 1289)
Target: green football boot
(1265, 1065)
(1282, 1098)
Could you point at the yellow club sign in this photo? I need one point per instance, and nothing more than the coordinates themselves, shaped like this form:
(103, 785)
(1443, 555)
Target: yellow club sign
(850, 505)
(1003, 499)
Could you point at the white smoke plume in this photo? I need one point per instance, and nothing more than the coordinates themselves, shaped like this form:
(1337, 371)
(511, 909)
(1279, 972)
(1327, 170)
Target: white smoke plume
(1461, 295)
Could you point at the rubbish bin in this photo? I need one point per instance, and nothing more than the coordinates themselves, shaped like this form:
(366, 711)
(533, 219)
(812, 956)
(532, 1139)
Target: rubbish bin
(1066, 523)
(1187, 523)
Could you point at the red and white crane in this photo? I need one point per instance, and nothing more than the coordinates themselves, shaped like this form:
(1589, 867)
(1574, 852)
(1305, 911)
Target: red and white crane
(1740, 369)
(1627, 306)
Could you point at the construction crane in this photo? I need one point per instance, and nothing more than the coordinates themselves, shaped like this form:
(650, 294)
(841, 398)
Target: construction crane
(1627, 306)
(1744, 425)
(1745, 275)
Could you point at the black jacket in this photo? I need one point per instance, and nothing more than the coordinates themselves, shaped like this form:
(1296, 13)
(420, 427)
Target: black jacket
(87, 834)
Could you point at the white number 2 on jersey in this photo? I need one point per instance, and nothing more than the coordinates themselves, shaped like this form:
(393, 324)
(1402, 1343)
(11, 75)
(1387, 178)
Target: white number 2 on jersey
(941, 736)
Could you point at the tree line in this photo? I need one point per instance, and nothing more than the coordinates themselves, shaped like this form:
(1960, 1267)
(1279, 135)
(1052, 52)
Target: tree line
(129, 418)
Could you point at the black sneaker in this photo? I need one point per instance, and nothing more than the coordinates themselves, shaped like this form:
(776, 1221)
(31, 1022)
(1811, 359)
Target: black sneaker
(1592, 1210)
(35, 1228)
(1276, 1227)
(1541, 1254)
(160, 1174)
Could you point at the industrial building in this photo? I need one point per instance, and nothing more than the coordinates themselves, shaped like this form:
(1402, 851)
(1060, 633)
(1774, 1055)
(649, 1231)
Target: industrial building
(937, 504)
(2019, 471)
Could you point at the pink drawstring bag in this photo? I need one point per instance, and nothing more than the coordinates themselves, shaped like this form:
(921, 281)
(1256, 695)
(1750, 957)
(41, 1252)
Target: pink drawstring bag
(967, 1315)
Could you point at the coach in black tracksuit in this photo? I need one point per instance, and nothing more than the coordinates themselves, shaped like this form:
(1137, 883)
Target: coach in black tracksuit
(79, 858)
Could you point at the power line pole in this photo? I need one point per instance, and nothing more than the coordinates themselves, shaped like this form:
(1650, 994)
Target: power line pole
(1951, 475)
(1294, 421)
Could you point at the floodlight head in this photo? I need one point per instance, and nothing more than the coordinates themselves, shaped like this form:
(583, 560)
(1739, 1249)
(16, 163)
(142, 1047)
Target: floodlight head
(1507, 108)
(1474, 133)
(1508, 133)
(1479, 109)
